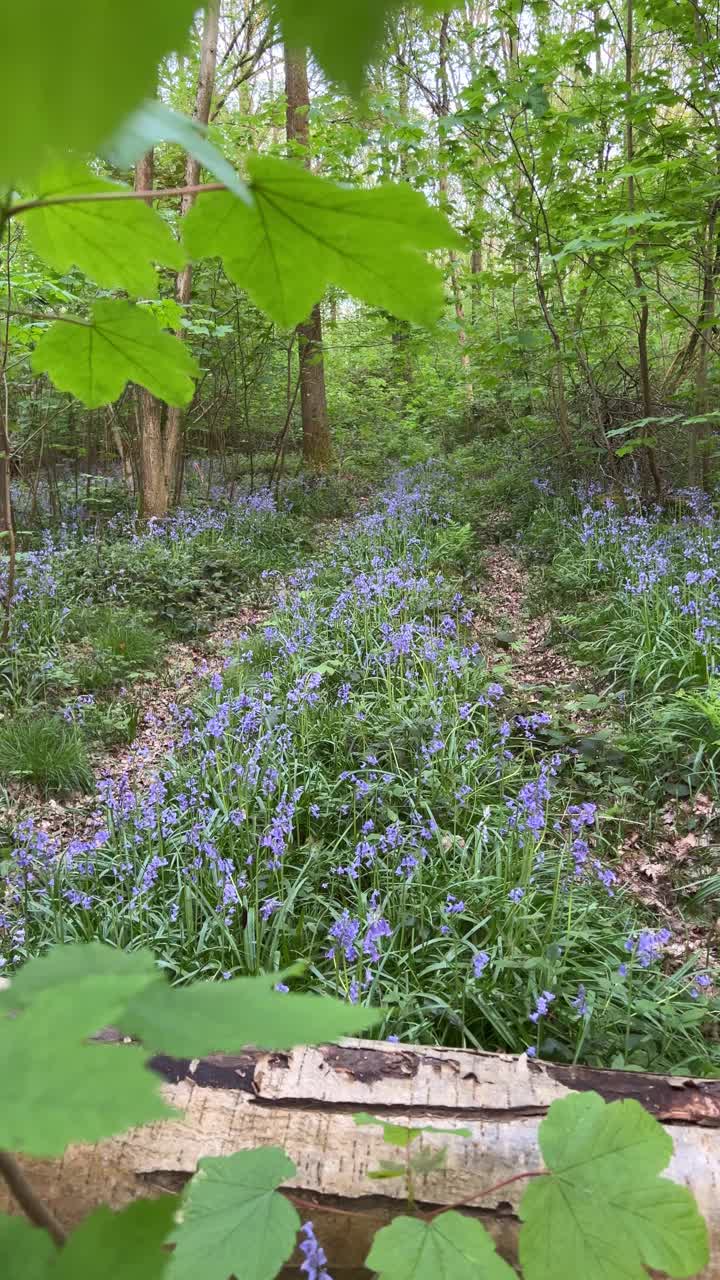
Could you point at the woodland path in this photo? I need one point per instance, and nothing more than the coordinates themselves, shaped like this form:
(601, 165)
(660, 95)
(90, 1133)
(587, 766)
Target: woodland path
(653, 860)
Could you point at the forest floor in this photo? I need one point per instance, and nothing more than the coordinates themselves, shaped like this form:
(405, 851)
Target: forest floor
(355, 768)
(517, 642)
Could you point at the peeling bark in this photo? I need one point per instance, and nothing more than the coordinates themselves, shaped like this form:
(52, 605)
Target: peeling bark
(304, 1101)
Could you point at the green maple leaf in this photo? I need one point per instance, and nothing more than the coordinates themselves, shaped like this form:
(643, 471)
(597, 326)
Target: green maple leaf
(343, 47)
(70, 73)
(115, 243)
(59, 1089)
(120, 1246)
(213, 1017)
(74, 963)
(26, 1251)
(303, 232)
(123, 344)
(604, 1213)
(233, 1220)
(450, 1247)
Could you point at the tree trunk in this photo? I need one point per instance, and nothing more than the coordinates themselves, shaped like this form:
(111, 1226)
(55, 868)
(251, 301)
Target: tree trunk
(304, 1101)
(699, 458)
(317, 445)
(183, 285)
(643, 358)
(458, 305)
(154, 497)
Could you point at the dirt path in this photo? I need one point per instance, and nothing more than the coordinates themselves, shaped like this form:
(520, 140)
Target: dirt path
(655, 859)
(517, 636)
(175, 685)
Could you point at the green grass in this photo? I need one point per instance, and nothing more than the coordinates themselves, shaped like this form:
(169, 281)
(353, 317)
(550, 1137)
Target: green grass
(45, 750)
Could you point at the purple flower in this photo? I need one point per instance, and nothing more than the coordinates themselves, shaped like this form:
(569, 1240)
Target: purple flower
(377, 929)
(452, 906)
(516, 895)
(580, 1003)
(345, 932)
(480, 962)
(648, 946)
(269, 907)
(542, 1005)
(315, 1261)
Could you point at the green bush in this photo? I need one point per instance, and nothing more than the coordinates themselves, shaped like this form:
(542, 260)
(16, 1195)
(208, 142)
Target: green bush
(46, 750)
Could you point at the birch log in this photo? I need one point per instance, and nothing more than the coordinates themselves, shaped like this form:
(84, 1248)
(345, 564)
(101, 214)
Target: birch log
(304, 1101)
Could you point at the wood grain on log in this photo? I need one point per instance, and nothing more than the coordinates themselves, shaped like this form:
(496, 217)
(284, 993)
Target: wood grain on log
(304, 1101)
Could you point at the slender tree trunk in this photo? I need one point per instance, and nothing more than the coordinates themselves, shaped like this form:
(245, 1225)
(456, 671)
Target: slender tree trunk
(317, 446)
(183, 285)
(699, 458)
(154, 492)
(475, 270)
(458, 304)
(644, 318)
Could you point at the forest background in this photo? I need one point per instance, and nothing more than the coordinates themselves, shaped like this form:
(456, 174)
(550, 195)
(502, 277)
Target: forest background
(576, 149)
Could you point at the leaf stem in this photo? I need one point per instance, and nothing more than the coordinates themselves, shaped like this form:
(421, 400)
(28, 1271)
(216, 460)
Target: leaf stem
(31, 1204)
(49, 316)
(97, 197)
(486, 1191)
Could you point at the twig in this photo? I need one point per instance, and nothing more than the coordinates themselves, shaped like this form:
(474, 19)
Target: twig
(31, 1204)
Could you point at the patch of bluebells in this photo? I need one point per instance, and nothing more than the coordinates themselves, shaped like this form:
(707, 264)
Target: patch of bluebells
(665, 565)
(348, 796)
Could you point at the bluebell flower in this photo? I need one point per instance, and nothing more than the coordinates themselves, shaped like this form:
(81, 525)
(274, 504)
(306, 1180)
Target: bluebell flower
(542, 1005)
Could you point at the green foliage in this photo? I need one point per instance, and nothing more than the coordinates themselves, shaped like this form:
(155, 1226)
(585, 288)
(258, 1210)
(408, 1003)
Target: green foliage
(208, 1016)
(41, 747)
(233, 1221)
(121, 1246)
(343, 57)
(450, 1247)
(604, 1210)
(305, 233)
(115, 243)
(58, 1088)
(94, 360)
(92, 1091)
(115, 644)
(70, 965)
(67, 78)
(27, 1252)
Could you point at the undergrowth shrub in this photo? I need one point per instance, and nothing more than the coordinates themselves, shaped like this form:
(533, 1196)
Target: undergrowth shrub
(114, 645)
(46, 750)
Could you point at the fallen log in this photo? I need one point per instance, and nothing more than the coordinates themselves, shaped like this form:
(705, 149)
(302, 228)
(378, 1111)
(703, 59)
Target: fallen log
(304, 1101)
